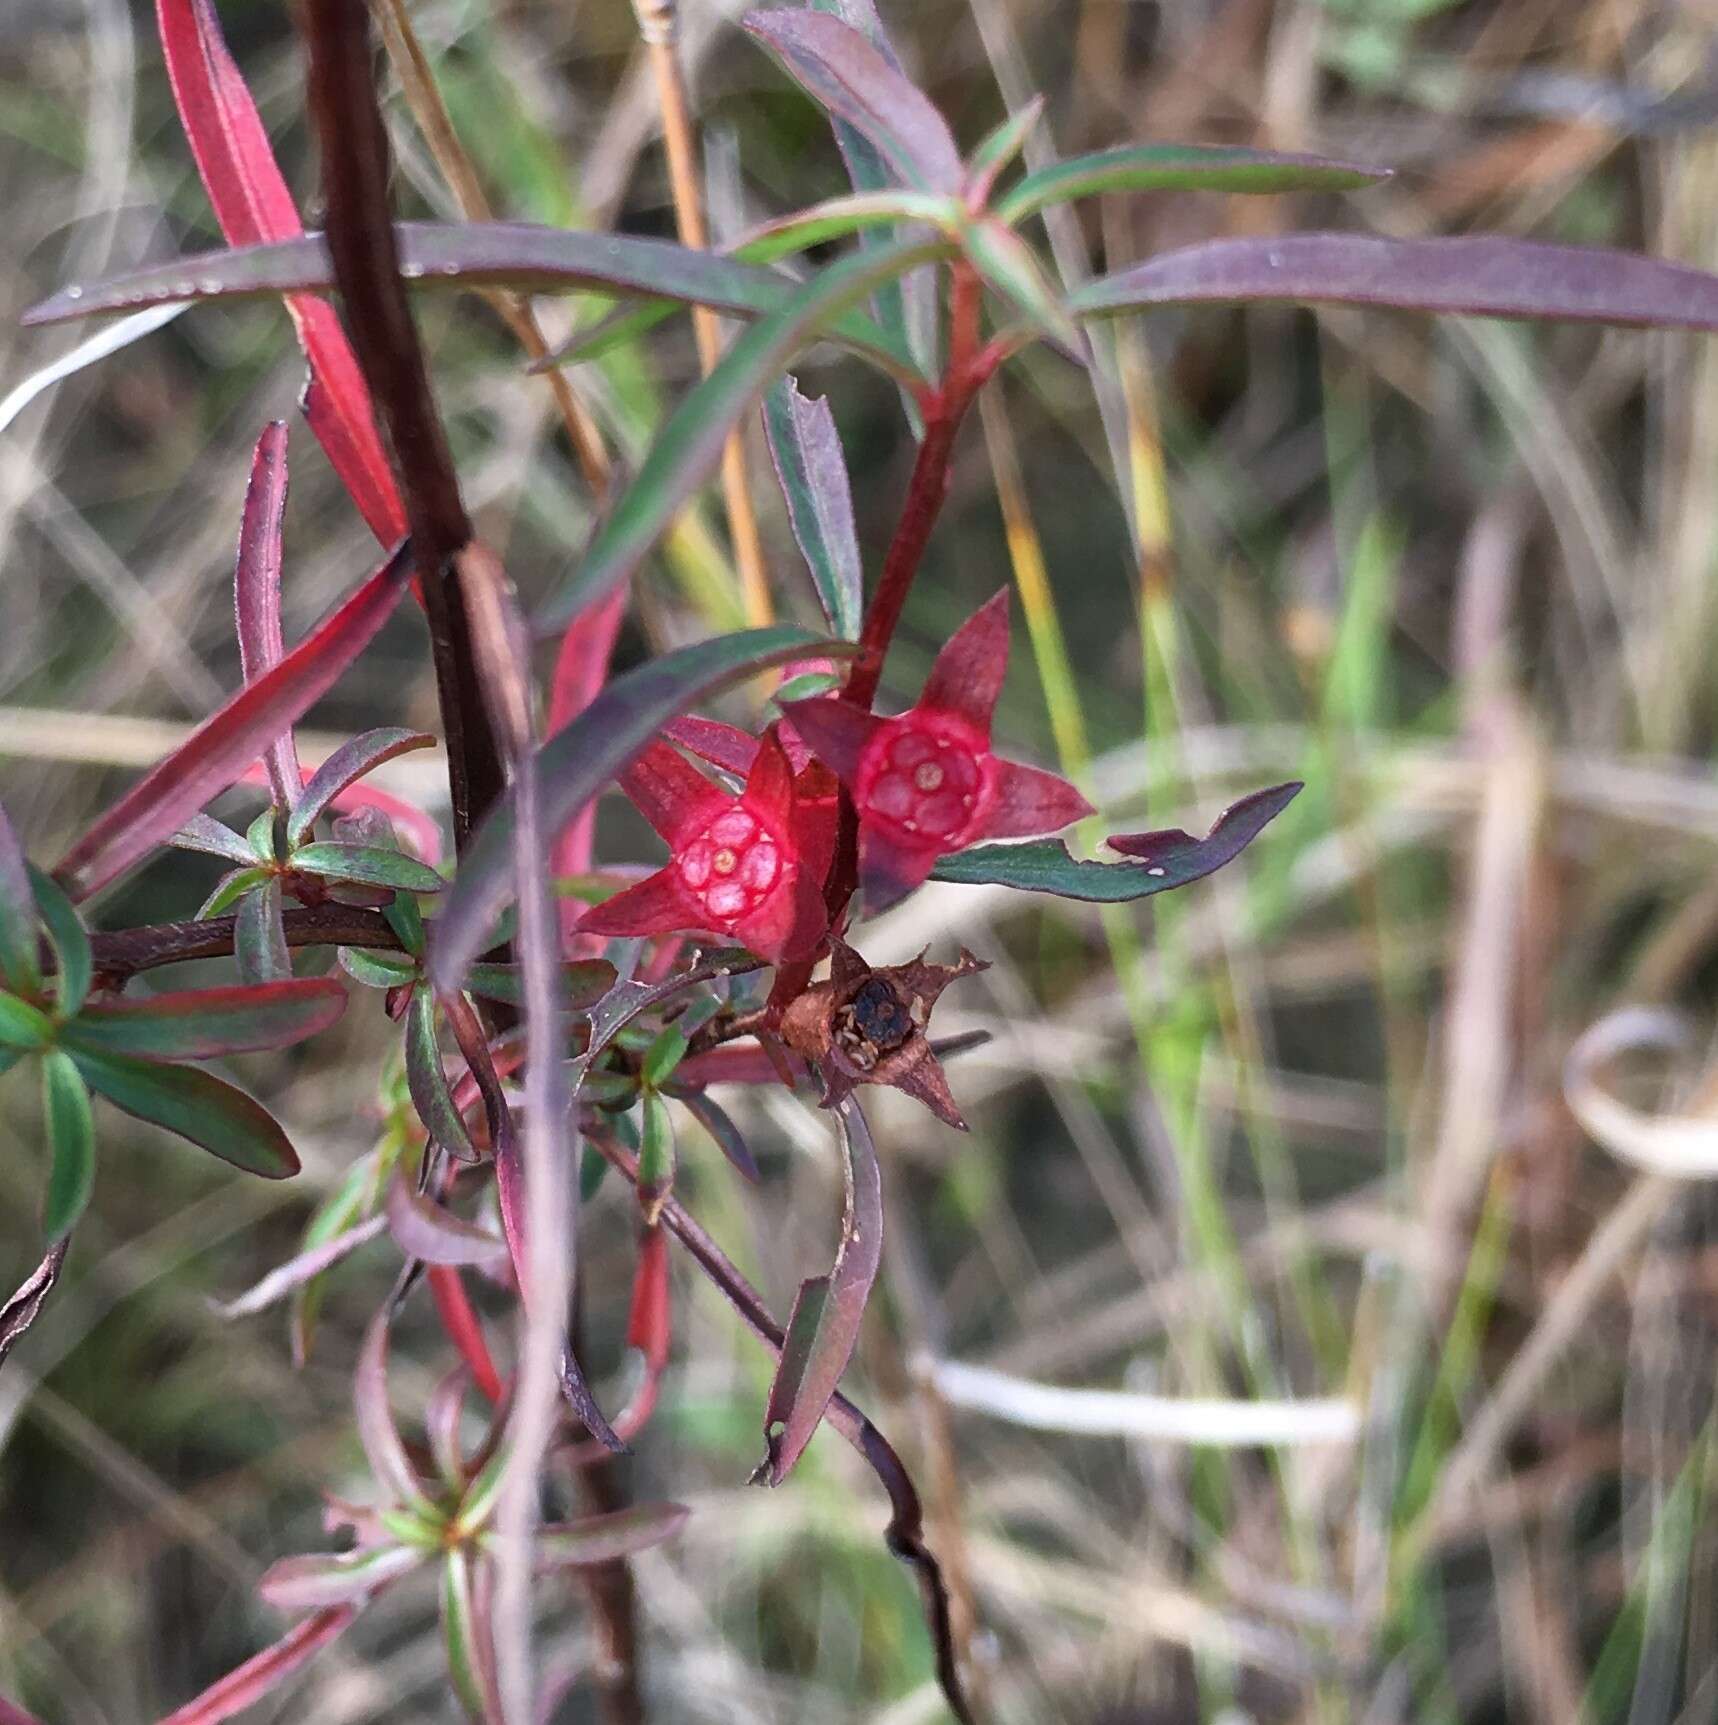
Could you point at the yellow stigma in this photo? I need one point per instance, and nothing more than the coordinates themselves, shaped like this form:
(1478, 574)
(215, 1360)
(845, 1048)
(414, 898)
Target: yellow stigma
(724, 861)
(928, 776)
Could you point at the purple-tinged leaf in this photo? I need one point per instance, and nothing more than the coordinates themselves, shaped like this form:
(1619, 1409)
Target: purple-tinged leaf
(383, 1447)
(199, 1107)
(20, 947)
(71, 1140)
(256, 593)
(12, 1714)
(607, 1538)
(806, 450)
(1480, 275)
(514, 255)
(1180, 168)
(250, 1682)
(851, 213)
(220, 749)
(368, 864)
(73, 961)
(824, 1329)
(579, 760)
(259, 935)
(426, 1079)
(1011, 269)
(716, 1121)
(849, 78)
(350, 762)
(25, 1304)
(211, 837)
(206, 1023)
(297, 1271)
(422, 1229)
(581, 669)
(689, 447)
(316, 1580)
(470, 1663)
(1166, 859)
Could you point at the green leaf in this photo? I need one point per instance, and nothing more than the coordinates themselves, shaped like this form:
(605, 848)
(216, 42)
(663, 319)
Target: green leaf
(806, 450)
(20, 960)
(689, 446)
(368, 864)
(854, 212)
(583, 982)
(1009, 267)
(68, 938)
(378, 969)
(462, 1634)
(1180, 168)
(999, 147)
(230, 888)
(71, 1138)
(655, 1155)
(515, 255)
(593, 1167)
(406, 918)
(199, 1107)
(1166, 859)
(259, 935)
(426, 1078)
(350, 762)
(580, 758)
(23, 1025)
(259, 836)
(665, 1052)
(203, 1023)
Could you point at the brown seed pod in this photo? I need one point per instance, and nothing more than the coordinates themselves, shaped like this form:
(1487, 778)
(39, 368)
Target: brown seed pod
(866, 1026)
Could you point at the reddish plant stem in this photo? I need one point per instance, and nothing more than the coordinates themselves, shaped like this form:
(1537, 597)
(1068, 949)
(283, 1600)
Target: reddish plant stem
(355, 166)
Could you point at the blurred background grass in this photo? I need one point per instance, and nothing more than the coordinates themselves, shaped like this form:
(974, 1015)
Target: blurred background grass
(1296, 1132)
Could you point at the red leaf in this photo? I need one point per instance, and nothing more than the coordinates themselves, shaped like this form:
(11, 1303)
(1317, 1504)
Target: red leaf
(252, 203)
(256, 592)
(224, 745)
(205, 1023)
(647, 1325)
(377, 1432)
(460, 1323)
(260, 1676)
(581, 669)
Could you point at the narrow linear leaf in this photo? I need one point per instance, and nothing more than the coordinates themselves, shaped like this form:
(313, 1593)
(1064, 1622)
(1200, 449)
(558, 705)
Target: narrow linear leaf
(102, 345)
(424, 1230)
(351, 761)
(806, 450)
(209, 836)
(256, 592)
(655, 1156)
(199, 1107)
(689, 446)
(23, 1025)
(1471, 275)
(1180, 168)
(259, 935)
(426, 1079)
(20, 949)
(251, 202)
(998, 148)
(250, 1682)
(821, 1342)
(849, 78)
(383, 1447)
(716, 1121)
(335, 1578)
(580, 759)
(608, 1538)
(584, 982)
(514, 255)
(462, 1637)
(204, 1023)
(378, 969)
(226, 743)
(229, 889)
(69, 939)
(1165, 860)
(369, 864)
(71, 1141)
(851, 213)
(300, 1270)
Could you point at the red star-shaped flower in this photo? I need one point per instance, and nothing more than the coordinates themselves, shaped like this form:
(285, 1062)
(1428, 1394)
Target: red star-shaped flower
(747, 868)
(926, 783)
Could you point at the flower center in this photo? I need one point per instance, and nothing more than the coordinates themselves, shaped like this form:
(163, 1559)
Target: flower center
(731, 866)
(924, 782)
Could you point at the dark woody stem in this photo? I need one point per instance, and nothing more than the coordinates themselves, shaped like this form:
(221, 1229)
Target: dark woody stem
(127, 952)
(905, 1534)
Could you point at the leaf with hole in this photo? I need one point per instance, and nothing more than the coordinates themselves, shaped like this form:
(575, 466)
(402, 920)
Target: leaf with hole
(1164, 859)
